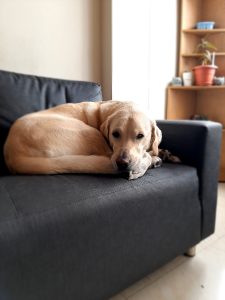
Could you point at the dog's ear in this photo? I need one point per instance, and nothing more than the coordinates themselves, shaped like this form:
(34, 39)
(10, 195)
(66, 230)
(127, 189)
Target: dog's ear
(156, 137)
(104, 128)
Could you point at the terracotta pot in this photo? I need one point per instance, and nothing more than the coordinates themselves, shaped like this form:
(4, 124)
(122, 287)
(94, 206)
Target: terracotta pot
(204, 74)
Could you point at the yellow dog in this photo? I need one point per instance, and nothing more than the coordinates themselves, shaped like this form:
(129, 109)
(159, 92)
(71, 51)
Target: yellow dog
(89, 137)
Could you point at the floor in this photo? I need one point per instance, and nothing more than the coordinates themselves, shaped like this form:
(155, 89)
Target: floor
(199, 278)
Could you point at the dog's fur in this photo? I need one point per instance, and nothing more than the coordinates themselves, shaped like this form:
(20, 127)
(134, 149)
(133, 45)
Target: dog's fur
(89, 137)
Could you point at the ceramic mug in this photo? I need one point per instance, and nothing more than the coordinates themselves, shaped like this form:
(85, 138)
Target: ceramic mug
(218, 80)
(187, 78)
(177, 81)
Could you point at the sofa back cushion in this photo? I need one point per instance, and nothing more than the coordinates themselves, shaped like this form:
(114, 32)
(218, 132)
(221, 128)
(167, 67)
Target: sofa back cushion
(21, 94)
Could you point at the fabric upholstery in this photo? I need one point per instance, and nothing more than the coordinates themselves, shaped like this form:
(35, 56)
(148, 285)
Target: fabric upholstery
(198, 146)
(86, 237)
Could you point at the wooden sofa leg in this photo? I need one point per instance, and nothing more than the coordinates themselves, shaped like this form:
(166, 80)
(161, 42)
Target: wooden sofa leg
(191, 252)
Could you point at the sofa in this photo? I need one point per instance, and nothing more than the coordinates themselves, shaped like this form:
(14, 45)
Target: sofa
(87, 237)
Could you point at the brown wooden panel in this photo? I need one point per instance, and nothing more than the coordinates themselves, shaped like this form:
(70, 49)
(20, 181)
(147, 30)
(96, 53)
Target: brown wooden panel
(212, 104)
(180, 104)
(199, 87)
(204, 32)
(191, 12)
(214, 10)
(220, 62)
(222, 175)
(222, 159)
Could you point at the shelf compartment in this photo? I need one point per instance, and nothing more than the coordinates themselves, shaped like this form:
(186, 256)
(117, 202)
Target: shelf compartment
(189, 101)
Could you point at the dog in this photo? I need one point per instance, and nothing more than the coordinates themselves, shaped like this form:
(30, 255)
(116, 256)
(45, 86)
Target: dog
(107, 137)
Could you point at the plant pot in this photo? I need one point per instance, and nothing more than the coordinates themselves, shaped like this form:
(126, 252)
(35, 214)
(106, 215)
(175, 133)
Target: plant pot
(204, 74)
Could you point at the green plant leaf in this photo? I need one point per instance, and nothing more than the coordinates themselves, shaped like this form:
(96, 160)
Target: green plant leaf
(205, 48)
(205, 45)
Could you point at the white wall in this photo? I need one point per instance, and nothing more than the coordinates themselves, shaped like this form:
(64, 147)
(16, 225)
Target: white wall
(58, 38)
(72, 39)
(144, 51)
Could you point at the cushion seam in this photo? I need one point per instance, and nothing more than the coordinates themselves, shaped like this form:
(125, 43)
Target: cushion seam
(12, 201)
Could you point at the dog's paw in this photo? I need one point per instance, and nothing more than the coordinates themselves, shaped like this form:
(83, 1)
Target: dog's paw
(141, 167)
(135, 175)
(156, 162)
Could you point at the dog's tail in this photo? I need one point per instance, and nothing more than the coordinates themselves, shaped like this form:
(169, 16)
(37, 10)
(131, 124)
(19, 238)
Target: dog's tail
(62, 164)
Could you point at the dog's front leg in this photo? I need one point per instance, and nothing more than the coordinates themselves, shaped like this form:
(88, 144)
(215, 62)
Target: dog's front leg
(142, 166)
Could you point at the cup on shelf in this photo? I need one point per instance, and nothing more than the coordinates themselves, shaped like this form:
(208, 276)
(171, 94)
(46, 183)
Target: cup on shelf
(187, 78)
(176, 81)
(218, 80)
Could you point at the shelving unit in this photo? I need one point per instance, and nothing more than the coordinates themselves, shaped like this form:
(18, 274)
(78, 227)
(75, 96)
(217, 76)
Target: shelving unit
(184, 102)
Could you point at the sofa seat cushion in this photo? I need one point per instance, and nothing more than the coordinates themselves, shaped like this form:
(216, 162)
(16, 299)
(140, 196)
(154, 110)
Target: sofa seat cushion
(23, 196)
(70, 223)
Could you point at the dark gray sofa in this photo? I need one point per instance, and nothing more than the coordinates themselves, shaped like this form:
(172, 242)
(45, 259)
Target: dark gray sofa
(86, 237)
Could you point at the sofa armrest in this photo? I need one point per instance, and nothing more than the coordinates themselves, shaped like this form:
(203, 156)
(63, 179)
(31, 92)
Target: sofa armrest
(197, 143)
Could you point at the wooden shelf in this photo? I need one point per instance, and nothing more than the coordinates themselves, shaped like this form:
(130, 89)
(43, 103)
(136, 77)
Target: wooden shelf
(186, 101)
(197, 55)
(197, 88)
(203, 32)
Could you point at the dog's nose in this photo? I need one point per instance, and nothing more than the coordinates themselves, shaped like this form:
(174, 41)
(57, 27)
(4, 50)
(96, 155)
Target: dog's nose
(122, 164)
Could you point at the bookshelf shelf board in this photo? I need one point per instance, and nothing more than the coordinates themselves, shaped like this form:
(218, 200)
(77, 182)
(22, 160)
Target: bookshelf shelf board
(197, 88)
(197, 55)
(203, 32)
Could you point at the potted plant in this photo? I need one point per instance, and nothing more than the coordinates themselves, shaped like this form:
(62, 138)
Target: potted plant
(205, 72)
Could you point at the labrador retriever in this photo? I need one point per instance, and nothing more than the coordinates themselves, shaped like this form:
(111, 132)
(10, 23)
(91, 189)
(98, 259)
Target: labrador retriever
(106, 137)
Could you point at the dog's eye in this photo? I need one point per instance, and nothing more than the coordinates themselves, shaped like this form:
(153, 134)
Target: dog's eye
(116, 134)
(139, 136)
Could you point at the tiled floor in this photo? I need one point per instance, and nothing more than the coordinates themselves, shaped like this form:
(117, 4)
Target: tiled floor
(198, 278)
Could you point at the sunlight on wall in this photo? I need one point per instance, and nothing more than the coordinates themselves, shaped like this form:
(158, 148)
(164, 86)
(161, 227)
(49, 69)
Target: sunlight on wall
(130, 39)
(221, 289)
(143, 51)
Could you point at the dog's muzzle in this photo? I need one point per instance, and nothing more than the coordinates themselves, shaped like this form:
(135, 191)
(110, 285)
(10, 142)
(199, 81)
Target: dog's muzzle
(123, 162)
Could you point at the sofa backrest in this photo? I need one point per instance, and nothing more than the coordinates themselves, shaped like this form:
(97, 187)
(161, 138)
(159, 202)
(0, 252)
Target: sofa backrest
(21, 94)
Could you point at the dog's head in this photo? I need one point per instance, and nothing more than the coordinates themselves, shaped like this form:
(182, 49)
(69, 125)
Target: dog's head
(130, 134)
